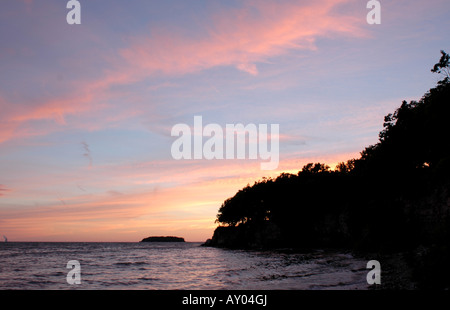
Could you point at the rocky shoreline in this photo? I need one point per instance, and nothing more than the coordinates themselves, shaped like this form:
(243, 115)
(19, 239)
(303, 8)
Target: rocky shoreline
(401, 270)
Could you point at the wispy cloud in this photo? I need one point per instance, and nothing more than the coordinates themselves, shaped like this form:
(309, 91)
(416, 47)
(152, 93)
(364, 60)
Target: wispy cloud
(87, 153)
(241, 37)
(3, 190)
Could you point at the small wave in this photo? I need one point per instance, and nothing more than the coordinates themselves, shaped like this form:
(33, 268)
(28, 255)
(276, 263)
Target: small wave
(42, 283)
(148, 279)
(131, 263)
(123, 264)
(273, 277)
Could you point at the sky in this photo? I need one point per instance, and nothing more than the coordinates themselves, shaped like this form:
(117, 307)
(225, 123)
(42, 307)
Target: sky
(87, 110)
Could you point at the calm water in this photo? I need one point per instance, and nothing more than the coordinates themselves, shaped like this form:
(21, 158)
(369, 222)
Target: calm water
(169, 266)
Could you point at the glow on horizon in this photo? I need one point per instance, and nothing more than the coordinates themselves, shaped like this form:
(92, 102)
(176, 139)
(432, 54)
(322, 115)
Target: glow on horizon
(86, 110)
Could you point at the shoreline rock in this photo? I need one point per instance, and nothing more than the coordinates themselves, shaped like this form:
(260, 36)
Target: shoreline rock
(259, 236)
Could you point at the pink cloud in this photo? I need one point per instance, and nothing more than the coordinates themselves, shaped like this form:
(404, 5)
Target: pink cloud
(88, 97)
(249, 68)
(3, 190)
(241, 38)
(16, 118)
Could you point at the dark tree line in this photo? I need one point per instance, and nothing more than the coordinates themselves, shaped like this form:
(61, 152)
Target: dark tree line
(395, 197)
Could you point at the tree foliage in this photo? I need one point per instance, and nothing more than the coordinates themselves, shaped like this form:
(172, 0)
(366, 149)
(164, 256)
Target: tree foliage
(442, 67)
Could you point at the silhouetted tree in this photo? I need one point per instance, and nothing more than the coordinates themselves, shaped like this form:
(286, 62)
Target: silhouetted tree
(442, 67)
(315, 168)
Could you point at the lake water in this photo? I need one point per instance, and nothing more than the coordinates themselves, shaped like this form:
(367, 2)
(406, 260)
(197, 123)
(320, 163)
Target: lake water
(174, 266)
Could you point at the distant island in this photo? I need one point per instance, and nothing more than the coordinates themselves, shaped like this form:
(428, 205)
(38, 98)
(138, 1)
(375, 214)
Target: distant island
(163, 239)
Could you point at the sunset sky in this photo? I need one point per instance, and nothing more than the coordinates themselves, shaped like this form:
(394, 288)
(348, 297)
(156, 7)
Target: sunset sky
(86, 111)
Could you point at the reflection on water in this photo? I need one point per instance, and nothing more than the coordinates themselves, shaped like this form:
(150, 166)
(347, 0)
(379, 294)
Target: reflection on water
(169, 266)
